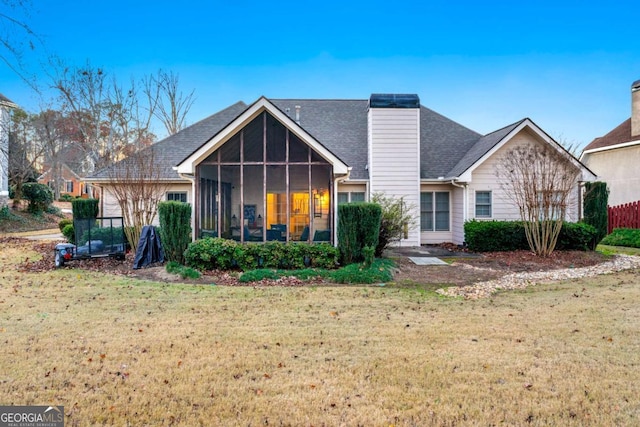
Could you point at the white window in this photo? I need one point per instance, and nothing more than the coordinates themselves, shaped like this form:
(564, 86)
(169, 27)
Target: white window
(177, 196)
(68, 186)
(434, 211)
(483, 204)
(354, 196)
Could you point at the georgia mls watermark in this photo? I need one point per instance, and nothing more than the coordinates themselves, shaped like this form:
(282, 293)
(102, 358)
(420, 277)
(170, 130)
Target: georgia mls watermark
(31, 416)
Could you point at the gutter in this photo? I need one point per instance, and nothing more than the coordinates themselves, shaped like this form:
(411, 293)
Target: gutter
(465, 199)
(191, 178)
(335, 204)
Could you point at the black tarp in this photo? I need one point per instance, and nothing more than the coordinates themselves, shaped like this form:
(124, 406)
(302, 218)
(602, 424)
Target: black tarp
(149, 248)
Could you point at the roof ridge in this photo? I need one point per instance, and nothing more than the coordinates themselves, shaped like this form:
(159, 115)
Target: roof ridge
(514, 124)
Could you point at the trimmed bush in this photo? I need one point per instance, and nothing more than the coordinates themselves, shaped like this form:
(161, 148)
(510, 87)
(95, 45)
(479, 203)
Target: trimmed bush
(627, 237)
(490, 236)
(85, 208)
(39, 196)
(215, 253)
(64, 222)
(175, 229)
(596, 198)
(66, 198)
(576, 236)
(69, 233)
(358, 226)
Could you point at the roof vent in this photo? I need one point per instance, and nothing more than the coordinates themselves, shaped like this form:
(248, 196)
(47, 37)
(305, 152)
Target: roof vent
(391, 100)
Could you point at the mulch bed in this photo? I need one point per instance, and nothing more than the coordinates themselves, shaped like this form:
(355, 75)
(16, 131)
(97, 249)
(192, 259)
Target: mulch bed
(486, 266)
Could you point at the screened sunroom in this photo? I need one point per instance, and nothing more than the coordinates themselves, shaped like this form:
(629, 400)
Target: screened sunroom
(264, 184)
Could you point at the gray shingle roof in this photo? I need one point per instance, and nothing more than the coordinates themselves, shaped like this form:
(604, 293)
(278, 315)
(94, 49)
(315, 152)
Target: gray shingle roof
(447, 148)
(442, 143)
(479, 148)
(339, 125)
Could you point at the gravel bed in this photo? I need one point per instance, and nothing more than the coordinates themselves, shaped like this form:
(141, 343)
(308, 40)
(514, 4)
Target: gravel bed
(525, 279)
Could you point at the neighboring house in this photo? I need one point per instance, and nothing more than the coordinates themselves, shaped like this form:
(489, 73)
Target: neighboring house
(5, 120)
(70, 182)
(615, 157)
(72, 170)
(278, 168)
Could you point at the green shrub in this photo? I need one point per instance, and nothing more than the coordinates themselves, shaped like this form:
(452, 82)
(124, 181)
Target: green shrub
(175, 229)
(66, 198)
(358, 226)
(85, 208)
(380, 271)
(628, 237)
(223, 254)
(596, 199)
(576, 236)
(54, 210)
(490, 236)
(69, 233)
(64, 222)
(39, 196)
(211, 253)
(260, 274)
(184, 272)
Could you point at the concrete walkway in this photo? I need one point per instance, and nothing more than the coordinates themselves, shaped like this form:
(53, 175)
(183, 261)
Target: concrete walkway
(426, 255)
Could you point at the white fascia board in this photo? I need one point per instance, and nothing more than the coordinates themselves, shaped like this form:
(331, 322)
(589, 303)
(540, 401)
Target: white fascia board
(188, 166)
(109, 180)
(610, 147)
(587, 175)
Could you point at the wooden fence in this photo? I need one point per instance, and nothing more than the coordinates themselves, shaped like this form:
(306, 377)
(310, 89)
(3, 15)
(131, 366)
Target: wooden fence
(624, 216)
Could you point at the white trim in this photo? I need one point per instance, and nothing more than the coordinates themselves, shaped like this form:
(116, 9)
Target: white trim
(610, 147)
(475, 204)
(188, 165)
(527, 123)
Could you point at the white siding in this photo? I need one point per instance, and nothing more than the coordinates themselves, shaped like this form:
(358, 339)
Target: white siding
(109, 205)
(484, 179)
(457, 215)
(394, 158)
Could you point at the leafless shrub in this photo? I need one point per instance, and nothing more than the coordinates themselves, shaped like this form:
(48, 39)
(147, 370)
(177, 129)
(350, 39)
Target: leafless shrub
(539, 181)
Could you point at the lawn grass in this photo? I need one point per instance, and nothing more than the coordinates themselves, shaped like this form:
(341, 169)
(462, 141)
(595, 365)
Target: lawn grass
(612, 250)
(119, 351)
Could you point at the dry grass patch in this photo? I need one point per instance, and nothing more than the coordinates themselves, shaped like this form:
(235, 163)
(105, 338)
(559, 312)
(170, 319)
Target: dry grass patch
(114, 351)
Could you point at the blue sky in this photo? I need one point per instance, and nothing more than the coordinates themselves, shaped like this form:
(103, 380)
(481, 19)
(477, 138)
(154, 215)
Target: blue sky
(568, 65)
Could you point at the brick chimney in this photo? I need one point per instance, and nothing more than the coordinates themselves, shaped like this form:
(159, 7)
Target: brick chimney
(635, 109)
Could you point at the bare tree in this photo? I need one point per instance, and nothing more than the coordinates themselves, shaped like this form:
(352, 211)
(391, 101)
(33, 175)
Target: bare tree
(539, 181)
(137, 183)
(25, 156)
(51, 135)
(16, 37)
(173, 106)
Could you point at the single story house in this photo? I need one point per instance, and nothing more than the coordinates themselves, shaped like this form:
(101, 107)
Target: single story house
(615, 156)
(278, 168)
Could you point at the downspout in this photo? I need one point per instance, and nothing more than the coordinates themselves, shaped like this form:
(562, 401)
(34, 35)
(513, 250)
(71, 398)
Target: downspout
(192, 179)
(335, 205)
(465, 201)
